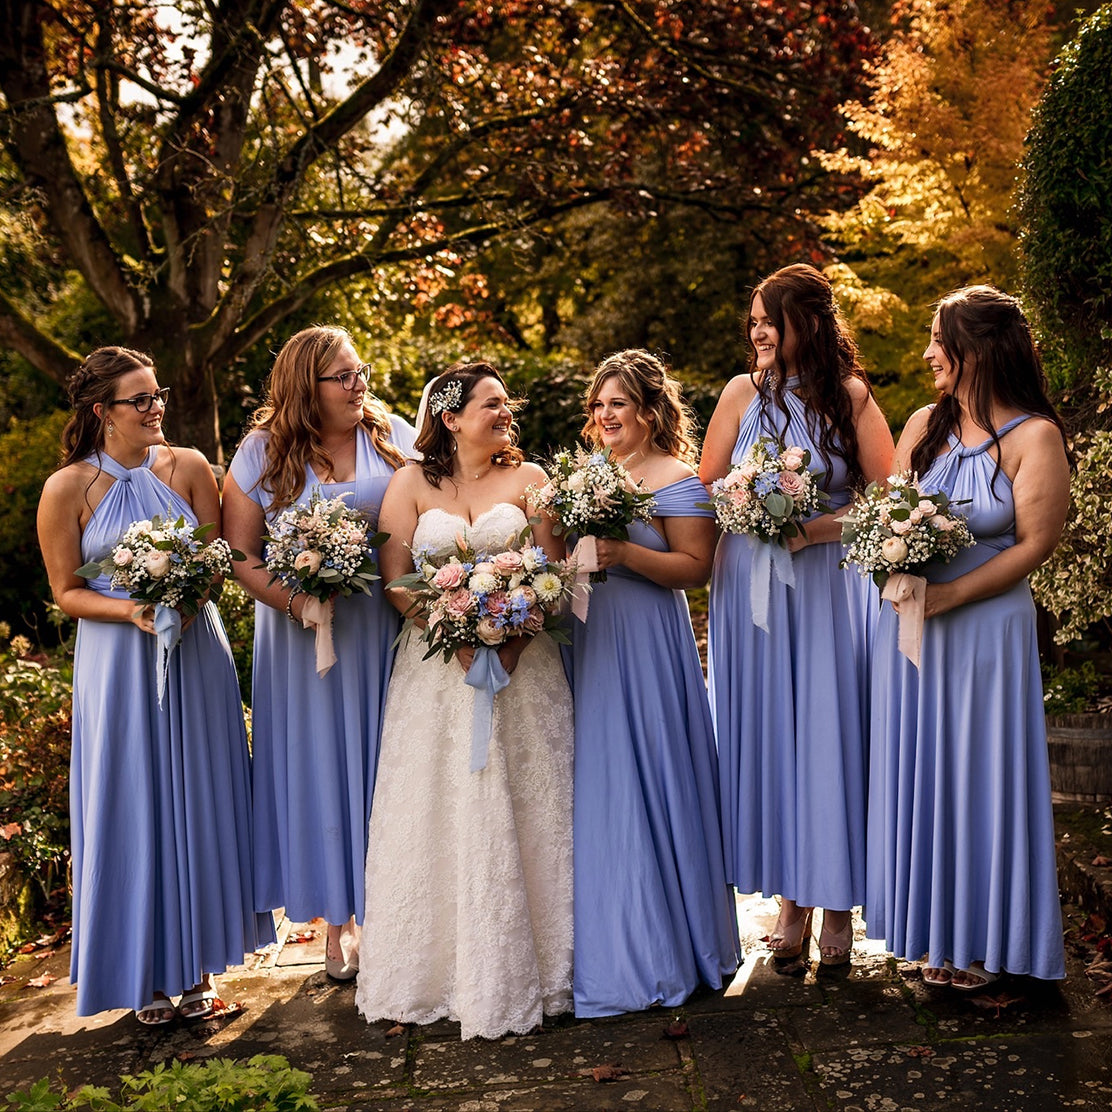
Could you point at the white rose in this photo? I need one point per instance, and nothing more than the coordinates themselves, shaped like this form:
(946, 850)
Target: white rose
(894, 550)
(308, 560)
(122, 557)
(157, 563)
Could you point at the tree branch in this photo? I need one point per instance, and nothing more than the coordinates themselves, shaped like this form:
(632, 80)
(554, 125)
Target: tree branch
(44, 354)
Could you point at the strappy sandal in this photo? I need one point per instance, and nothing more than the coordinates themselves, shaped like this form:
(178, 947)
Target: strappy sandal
(937, 976)
(787, 941)
(199, 1002)
(835, 947)
(159, 1012)
(981, 978)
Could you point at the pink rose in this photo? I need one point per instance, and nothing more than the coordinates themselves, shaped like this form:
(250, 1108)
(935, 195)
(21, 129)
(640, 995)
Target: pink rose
(792, 484)
(496, 602)
(448, 577)
(488, 632)
(525, 595)
(507, 563)
(534, 620)
(792, 459)
(122, 557)
(308, 560)
(926, 506)
(459, 604)
(901, 527)
(942, 523)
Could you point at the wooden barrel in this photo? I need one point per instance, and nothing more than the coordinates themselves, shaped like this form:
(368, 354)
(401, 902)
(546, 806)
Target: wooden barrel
(1080, 748)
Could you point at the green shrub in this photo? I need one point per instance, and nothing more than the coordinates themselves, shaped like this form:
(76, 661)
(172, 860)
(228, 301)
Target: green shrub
(35, 726)
(1064, 200)
(237, 611)
(264, 1083)
(1072, 690)
(29, 452)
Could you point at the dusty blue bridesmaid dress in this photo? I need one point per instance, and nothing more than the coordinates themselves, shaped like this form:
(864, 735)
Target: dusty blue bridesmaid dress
(315, 738)
(789, 704)
(961, 829)
(654, 916)
(160, 797)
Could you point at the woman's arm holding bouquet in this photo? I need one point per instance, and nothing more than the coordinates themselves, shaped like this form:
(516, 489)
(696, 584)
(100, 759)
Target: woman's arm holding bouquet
(874, 453)
(1034, 457)
(722, 431)
(244, 528)
(685, 565)
(59, 529)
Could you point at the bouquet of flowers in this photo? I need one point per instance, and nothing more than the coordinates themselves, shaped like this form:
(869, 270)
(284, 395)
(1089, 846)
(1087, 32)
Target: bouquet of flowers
(169, 564)
(592, 494)
(898, 527)
(485, 598)
(323, 549)
(769, 494)
(166, 562)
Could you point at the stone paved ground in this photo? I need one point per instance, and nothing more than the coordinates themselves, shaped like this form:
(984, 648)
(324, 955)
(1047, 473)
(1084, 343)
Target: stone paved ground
(873, 1039)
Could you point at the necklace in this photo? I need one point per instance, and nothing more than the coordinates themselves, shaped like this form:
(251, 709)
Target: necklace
(638, 454)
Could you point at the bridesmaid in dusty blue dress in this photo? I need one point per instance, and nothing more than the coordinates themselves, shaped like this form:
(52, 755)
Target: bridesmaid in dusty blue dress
(159, 794)
(315, 737)
(654, 915)
(961, 830)
(789, 699)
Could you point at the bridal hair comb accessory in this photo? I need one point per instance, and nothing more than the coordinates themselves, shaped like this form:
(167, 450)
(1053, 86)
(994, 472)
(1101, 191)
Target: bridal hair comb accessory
(448, 398)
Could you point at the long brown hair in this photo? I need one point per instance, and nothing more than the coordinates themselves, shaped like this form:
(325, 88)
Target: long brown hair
(988, 339)
(826, 357)
(291, 414)
(434, 440)
(645, 379)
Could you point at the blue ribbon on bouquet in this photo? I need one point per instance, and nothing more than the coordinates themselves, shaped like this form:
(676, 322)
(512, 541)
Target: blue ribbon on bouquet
(487, 676)
(768, 559)
(167, 628)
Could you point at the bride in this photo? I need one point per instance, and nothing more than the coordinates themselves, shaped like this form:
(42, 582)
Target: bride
(468, 884)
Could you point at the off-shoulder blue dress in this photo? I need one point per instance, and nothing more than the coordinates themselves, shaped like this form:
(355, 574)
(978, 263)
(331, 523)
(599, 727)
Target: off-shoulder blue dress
(654, 915)
(789, 704)
(961, 829)
(160, 796)
(316, 738)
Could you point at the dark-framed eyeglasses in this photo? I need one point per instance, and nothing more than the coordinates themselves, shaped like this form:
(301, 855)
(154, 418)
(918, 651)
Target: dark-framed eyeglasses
(143, 402)
(348, 379)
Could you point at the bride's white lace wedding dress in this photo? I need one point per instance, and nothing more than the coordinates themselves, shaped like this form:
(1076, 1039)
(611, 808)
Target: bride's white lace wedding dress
(469, 883)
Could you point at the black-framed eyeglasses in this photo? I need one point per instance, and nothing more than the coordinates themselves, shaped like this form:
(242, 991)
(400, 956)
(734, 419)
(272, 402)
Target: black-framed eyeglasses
(143, 402)
(347, 379)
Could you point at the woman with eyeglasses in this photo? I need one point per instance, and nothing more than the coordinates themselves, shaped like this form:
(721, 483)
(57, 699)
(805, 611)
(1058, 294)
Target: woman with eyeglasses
(315, 737)
(159, 789)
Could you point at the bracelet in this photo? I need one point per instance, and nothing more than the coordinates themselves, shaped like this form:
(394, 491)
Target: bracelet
(289, 604)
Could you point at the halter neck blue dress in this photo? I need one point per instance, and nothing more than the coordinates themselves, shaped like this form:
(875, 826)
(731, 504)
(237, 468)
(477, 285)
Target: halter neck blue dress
(961, 829)
(316, 738)
(654, 915)
(789, 705)
(160, 797)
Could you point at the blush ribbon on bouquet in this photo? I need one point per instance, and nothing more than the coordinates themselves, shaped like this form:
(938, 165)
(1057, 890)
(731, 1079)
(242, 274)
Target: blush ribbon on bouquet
(909, 593)
(167, 628)
(768, 559)
(487, 676)
(585, 555)
(318, 615)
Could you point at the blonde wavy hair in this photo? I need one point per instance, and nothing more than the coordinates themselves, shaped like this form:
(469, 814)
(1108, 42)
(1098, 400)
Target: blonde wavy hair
(660, 405)
(291, 414)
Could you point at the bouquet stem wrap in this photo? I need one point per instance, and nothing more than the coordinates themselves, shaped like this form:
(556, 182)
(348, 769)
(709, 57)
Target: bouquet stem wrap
(487, 676)
(768, 560)
(318, 615)
(167, 628)
(909, 592)
(585, 555)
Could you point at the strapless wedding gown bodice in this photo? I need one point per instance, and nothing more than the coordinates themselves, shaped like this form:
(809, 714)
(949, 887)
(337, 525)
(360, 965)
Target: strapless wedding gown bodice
(493, 530)
(469, 890)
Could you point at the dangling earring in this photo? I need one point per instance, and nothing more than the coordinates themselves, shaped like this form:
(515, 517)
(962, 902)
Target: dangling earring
(111, 429)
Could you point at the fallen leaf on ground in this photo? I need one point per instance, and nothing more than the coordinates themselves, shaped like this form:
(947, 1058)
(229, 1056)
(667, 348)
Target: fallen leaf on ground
(998, 1002)
(220, 1010)
(185, 1056)
(1106, 990)
(677, 1030)
(41, 982)
(920, 1052)
(610, 1072)
(395, 1031)
(300, 936)
(1094, 925)
(1101, 861)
